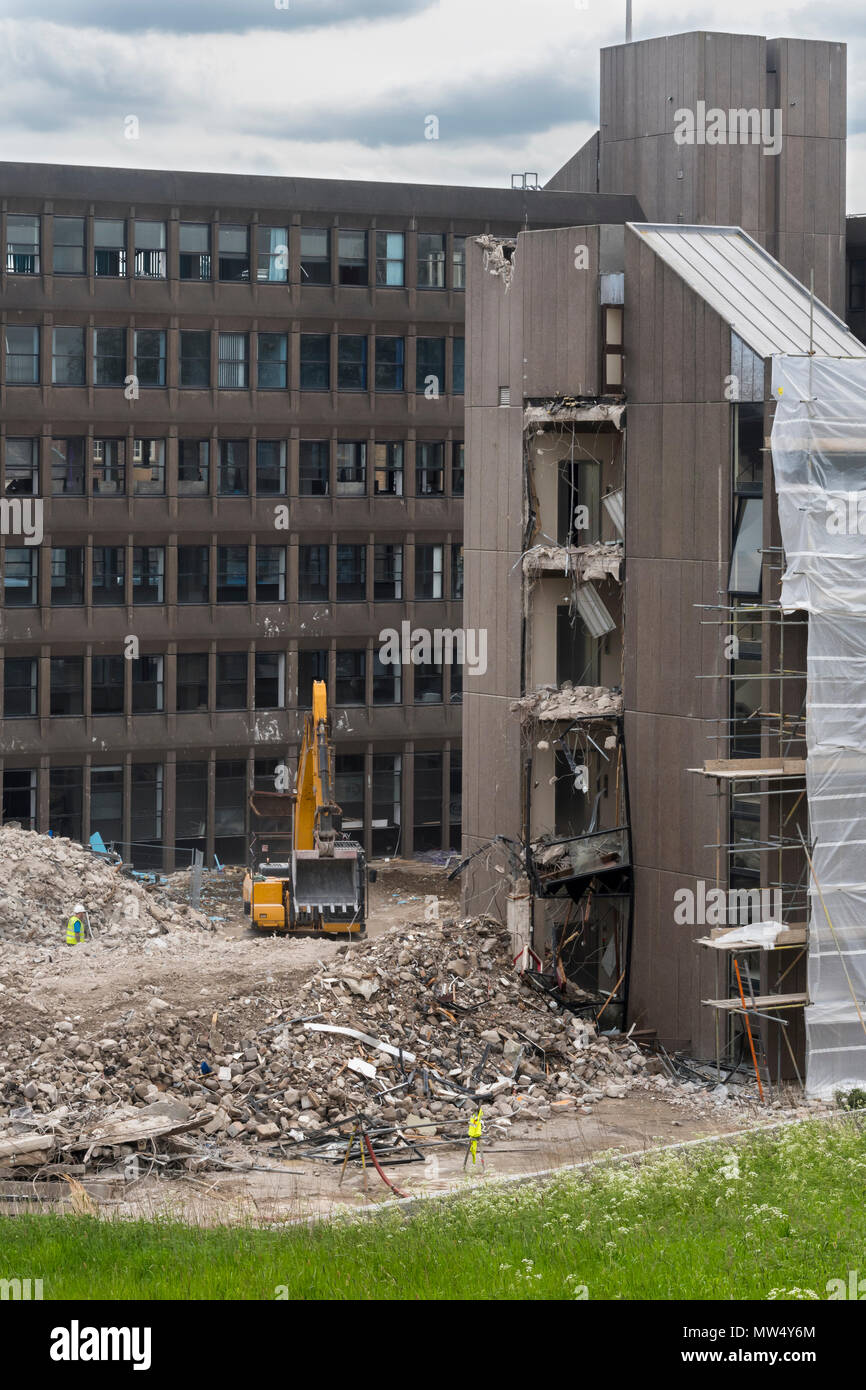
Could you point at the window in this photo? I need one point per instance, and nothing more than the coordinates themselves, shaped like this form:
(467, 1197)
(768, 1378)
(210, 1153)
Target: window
(578, 655)
(19, 796)
(315, 257)
(313, 467)
(148, 695)
(149, 251)
(745, 688)
(20, 577)
(67, 467)
(106, 690)
(193, 456)
(351, 469)
(270, 678)
(234, 469)
(456, 696)
(390, 258)
(109, 356)
(69, 246)
(148, 574)
(387, 682)
(231, 680)
(191, 781)
(22, 244)
(194, 251)
(65, 801)
(352, 258)
(67, 686)
(458, 454)
(390, 353)
(388, 572)
(351, 678)
(67, 576)
(857, 285)
(351, 573)
(270, 574)
(232, 573)
(271, 467)
(458, 372)
(349, 788)
(20, 687)
(315, 362)
(234, 253)
(430, 366)
(67, 357)
(612, 350)
(428, 683)
(109, 467)
(312, 573)
(230, 797)
(195, 358)
(428, 571)
(386, 788)
(146, 808)
(192, 692)
(351, 362)
(431, 261)
(579, 501)
(388, 470)
(428, 801)
(109, 569)
(192, 574)
(273, 360)
(458, 264)
(106, 803)
(233, 358)
(22, 356)
(272, 255)
(455, 797)
(748, 439)
(457, 572)
(148, 467)
(312, 666)
(22, 467)
(744, 578)
(429, 469)
(109, 247)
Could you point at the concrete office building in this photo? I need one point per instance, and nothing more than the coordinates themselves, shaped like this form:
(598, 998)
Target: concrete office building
(239, 402)
(626, 373)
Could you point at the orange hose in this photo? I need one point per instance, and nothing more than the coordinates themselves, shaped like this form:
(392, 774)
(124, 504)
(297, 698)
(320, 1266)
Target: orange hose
(387, 1181)
(749, 1030)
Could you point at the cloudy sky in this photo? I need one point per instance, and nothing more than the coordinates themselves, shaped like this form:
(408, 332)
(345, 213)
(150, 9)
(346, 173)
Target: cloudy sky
(342, 88)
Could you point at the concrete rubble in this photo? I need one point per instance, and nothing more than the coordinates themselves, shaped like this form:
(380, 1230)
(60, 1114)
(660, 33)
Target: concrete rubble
(568, 701)
(601, 560)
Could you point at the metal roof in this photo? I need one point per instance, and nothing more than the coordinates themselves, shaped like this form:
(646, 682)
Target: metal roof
(766, 305)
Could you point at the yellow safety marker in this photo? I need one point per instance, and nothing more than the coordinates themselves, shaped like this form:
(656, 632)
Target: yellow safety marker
(476, 1126)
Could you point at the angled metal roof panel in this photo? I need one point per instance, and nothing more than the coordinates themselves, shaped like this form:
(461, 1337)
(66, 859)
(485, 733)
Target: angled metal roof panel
(763, 303)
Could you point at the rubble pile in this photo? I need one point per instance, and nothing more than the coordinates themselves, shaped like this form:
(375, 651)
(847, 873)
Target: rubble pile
(45, 877)
(408, 1033)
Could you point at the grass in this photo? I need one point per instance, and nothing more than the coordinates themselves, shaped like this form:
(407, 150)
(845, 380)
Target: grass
(776, 1216)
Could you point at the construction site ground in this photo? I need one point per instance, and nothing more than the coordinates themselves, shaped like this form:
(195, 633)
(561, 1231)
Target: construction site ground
(215, 961)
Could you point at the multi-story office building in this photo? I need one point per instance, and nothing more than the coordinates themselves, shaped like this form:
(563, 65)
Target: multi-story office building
(239, 404)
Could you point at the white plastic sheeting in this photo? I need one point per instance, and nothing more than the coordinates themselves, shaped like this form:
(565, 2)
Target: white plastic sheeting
(819, 461)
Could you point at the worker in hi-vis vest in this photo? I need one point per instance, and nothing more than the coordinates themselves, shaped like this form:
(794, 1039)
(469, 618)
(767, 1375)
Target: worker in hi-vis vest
(75, 927)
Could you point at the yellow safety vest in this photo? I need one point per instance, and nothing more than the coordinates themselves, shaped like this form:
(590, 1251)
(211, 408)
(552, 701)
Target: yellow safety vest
(74, 931)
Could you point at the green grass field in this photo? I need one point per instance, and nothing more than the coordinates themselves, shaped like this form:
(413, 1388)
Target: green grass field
(776, 1216)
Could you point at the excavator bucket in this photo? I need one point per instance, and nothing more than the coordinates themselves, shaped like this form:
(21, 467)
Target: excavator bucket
(327, 888)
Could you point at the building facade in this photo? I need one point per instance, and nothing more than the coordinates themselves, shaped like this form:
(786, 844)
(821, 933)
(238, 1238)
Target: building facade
(232, 410)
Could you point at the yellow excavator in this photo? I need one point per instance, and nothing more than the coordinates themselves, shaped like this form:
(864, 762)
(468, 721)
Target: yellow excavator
(316, 880)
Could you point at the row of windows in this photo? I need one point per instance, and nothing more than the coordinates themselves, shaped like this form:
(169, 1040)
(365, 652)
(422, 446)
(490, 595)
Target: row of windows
(78, 356)
(114, 247)
(229, 681)
(126, 805)
(108, 576)
(342, 468)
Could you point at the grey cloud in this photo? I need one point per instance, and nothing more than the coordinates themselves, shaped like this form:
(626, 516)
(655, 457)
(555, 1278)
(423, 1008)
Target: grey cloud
(209, 16)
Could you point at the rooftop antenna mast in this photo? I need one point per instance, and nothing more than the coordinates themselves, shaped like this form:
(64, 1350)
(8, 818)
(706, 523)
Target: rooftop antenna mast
(628, 21)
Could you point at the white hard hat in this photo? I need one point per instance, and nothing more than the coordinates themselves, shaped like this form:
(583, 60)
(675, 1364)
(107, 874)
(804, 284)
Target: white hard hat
(78, 909)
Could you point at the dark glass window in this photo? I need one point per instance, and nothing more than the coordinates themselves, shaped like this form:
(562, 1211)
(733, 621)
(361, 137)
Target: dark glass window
(67, 467)
(270, 574)
(65, 800)
(388, 572)
(22, 467)
(109, 467)
(351, 362)
(389, 364)
(193, 457)
(231, 680)
(234, 469)
(67, 685)
(457, 572)
(458, 454)
(428, 683)
(315, 362)
(234, 253)
(195, 251)
(20, 687)
(67, 576)
(192, 573)
(22, 244)
(273, 361)
(429, 469)
(747, 558)
(351, 468)
(351, 678)
(22, 355)
(458, 376)
(232, 573)
(428, 571)
(387, 682)
(388, 470)
(315, 257)
(109, 247)
(312, 573)
(430, 366)
(748, 436)
(192, 691)
(271, 467)
(351, 573)
(458, 272)
(313, 467)
(20, 576)
(109, 356)
(107, 676)
(148, 467)
(149, 250)
(352, 257)
(148, 574)
(67, 357)
(194, 358)
(69, 246)
(428, 801)
(233, 359)
(270, 678)
(109, 568)
(312, 666)
(148, 690)
(431, 261)
(272, 255)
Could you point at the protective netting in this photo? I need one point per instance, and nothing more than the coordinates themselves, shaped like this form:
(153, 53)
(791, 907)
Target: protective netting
(819, 460)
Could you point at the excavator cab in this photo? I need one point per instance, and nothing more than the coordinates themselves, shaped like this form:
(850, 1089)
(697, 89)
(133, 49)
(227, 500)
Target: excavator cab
(320, 884)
